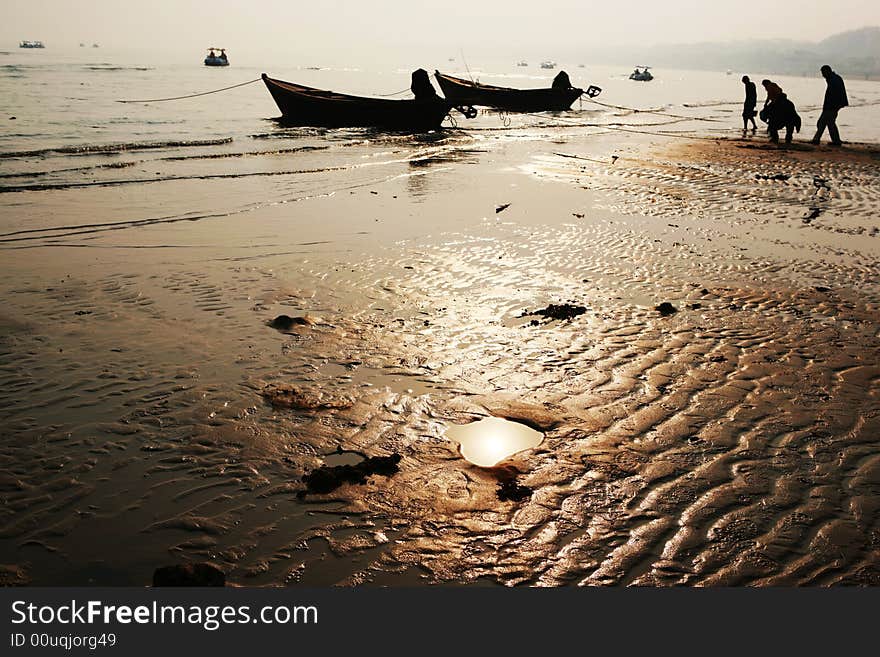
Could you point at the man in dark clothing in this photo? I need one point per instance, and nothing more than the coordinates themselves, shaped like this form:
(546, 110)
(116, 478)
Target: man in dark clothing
(421, 86)
(779, 114)
(749, 105)
(835, 100)
(562, 81)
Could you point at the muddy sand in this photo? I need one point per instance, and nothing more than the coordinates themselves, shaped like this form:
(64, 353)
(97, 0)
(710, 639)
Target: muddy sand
(154, 413)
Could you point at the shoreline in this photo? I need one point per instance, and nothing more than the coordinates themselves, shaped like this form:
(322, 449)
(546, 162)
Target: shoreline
(733, 442)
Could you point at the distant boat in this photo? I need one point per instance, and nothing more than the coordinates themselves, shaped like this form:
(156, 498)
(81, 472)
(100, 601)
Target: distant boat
(95, 45)
(307, 106)
(581, 66)
(548, 64)
(641, 76)
(213, 59)
(729, 72)
(523, 63)
(464, 92)
(82, 45)
(31, 44)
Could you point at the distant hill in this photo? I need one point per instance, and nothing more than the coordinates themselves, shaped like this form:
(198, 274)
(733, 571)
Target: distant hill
(855, 54)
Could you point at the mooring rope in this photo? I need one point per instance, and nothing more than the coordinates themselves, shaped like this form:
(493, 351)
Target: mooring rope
(204, 93)
(652, 111)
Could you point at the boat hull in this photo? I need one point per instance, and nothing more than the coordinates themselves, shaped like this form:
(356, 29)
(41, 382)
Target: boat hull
(464, 92)
(307, 106)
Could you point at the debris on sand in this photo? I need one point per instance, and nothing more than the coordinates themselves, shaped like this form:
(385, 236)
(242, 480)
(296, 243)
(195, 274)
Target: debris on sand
(502, 208)
(509, 489)
(286, 322)
(666, 309)
(560, 311)
(772, 176)
(328, 478)
(189, 574)
(814, 213)
(294, 397)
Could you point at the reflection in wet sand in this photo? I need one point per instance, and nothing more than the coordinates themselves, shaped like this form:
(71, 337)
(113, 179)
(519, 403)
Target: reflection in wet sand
(151, 414)
(491, 440)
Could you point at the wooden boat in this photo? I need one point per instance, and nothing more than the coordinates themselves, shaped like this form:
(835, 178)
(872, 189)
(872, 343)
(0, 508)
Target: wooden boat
(462, 92)
(301, 105)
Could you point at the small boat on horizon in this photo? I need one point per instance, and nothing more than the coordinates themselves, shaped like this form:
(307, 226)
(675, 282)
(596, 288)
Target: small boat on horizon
(31, 44)
(95, 45)
(643, 75)
(306, 106)
(213, 59)
(461, 92)
(549, 64)
(522, 63)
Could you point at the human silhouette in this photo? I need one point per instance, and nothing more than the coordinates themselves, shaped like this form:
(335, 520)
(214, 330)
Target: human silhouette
(561, 81)
(749, 112)
(835, 100)
(421, 86)
(773, 90)
(781, 113)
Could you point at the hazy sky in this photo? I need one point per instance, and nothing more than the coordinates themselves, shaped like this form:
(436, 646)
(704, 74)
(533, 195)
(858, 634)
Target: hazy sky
(346, 25)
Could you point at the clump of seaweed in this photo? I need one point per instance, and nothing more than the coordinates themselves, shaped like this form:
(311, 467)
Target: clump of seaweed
(557, 311)
(328, 478)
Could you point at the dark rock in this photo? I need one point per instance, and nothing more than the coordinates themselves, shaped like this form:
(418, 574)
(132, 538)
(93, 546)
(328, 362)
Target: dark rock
(189, 574)
(773, 176)
(694, 306)
(326, 479)
(511, 491)
(820, 288)
(502, 208)
(666, 309)
(285, 322)
(559, 311)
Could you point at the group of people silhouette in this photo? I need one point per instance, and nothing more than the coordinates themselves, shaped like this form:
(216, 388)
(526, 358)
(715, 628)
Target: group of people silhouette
(779, 111)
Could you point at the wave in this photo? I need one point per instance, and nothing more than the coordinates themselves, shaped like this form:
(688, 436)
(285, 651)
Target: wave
(108, 67)
(85, 149)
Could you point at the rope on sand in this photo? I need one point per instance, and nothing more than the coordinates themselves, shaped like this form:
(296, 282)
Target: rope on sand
(652, 111)
(204, 93)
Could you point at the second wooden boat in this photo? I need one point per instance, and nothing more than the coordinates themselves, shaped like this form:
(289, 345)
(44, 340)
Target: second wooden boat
(461, 92)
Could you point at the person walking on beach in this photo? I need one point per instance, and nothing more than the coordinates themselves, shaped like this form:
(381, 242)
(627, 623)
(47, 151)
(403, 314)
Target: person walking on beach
(749, 112)
(835, 100)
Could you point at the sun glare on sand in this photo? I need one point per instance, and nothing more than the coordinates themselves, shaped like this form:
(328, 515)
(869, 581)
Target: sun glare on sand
(491, 440)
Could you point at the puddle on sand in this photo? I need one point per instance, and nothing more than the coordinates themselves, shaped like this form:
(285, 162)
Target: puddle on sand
(342, 458)
(491, 440)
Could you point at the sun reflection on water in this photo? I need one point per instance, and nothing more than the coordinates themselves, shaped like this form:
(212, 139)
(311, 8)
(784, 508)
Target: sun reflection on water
(491, 440)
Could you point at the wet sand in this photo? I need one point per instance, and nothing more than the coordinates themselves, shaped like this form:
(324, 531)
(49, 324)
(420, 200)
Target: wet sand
(733, 442)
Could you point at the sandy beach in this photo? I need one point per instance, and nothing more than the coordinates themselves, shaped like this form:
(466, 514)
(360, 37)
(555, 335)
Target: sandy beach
(152, 414)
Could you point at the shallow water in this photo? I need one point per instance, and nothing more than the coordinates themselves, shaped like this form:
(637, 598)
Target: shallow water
(733, 442)
(491, 440)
